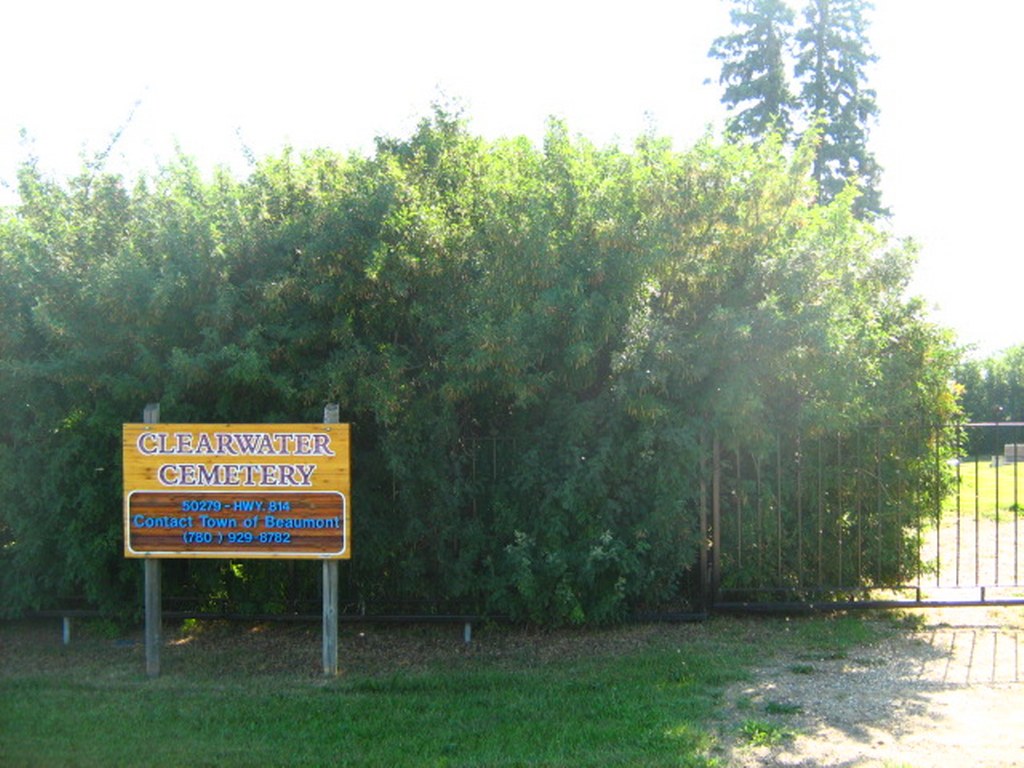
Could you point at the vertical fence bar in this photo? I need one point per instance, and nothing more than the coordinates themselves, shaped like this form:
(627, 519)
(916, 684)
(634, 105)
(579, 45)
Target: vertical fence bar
(997, 473)
(840, 505)
(879, 516)
(716, 517)
(474, 448)
(959, 491)
(901, 493)
(977, 522)
(704, 539)
(761, 535)
(1016, 509)
(799, 514)
(738, 493)
(938, 511)
(858, 500)
(778, 510)
(821, 511)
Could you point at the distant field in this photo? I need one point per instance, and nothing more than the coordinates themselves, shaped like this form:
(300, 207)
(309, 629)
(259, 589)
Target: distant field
(982, 532)
(987, 489)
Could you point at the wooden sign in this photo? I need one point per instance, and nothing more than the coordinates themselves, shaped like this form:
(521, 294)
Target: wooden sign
(237, 490)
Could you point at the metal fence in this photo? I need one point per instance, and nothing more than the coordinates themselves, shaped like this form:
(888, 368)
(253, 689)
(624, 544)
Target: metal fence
(885, 515)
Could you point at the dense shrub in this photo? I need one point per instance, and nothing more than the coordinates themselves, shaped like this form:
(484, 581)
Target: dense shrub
(530, 343)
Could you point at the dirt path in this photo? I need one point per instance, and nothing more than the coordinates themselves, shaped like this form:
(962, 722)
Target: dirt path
(949, 694)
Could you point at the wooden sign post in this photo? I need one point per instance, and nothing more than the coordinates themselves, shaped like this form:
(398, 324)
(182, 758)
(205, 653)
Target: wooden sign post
(235, 491)
(330, 589)
(153, 597)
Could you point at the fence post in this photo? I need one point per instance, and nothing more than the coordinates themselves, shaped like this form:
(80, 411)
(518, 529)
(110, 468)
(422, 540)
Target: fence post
(330, 586)
(151, 569)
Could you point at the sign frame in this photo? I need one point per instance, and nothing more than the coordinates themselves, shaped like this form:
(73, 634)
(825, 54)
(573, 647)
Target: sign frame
(237, 491)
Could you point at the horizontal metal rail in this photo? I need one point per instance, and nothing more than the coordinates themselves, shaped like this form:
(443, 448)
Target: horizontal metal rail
(466, 620)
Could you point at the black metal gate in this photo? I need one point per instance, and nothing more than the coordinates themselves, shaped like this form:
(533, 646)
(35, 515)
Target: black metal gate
(883, 516)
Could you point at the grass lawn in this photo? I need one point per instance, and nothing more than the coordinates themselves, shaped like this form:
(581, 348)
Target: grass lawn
(252, 695)
(985, 488)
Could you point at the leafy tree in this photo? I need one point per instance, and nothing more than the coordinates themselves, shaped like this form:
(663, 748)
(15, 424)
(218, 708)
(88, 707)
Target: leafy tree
(993, 391)
(994, 386)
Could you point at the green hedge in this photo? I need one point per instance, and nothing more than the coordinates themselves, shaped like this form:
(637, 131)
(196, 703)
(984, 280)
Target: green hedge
(529, 342)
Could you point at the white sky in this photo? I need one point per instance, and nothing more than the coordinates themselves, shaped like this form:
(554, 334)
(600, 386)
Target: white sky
(212, 75)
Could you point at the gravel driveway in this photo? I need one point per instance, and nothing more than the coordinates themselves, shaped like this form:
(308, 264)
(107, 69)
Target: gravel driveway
(949, 694)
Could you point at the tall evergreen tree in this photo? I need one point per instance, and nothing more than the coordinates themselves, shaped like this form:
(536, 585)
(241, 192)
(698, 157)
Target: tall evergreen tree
(829, 54)
(832, 53)
(753, 68)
